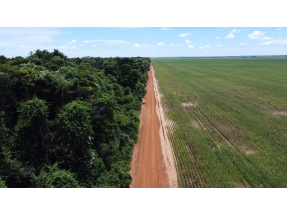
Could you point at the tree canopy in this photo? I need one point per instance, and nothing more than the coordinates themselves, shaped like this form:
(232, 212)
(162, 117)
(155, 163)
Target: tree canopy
(69, 122)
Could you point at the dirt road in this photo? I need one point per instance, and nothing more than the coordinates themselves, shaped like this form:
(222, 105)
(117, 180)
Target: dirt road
(148, 165)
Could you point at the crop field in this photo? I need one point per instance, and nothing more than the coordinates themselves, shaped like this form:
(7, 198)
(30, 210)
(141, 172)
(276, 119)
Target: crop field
(227, 120)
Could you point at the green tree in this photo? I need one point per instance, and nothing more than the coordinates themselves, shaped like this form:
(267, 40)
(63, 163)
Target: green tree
(4, 153)
(31, 140)
(2, 183)
(54, 177)
(140, 89)
(111, 67)
(3, 59)
(73, 138)
(80, 113)
(12, 170)
(118, 177)
(18, 60)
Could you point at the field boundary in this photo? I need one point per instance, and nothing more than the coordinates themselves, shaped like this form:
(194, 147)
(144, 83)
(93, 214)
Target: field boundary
(166, 146)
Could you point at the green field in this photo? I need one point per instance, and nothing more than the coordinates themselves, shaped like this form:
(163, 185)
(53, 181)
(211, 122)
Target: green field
(228, 120)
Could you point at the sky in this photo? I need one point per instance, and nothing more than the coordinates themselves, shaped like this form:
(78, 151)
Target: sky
(145, 41)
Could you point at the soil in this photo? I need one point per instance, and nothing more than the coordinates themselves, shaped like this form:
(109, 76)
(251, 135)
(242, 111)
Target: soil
(240, 185)
(194, 123)
(187, 104)
(165, 143)
(248, 150)
(279, 113)
(149, 169)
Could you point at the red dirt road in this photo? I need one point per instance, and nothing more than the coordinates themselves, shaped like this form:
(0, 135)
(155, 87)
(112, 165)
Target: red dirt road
(148, 166)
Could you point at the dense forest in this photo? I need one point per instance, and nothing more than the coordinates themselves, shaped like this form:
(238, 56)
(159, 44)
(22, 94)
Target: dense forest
(69, 122)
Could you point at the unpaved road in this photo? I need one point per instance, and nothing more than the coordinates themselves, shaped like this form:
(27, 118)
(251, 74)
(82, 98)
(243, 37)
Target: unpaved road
(148, 164)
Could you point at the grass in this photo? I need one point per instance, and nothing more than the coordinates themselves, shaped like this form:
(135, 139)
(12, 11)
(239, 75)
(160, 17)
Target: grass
(230, 136)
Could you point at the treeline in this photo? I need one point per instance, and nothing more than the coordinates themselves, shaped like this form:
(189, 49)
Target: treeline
(69, 122)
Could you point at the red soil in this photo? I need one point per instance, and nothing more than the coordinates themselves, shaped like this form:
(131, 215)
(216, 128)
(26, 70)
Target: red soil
(148, 166)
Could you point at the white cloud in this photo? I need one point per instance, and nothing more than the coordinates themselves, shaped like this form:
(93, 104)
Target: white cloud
(256, 35)
(72, 42)
(27, 38)
(172, 44)
(160, 44)
(265, 38)
(279, 29)
(108, 42)
(191, 46)
(205, 46)
(218, 45)
(165, 29)
(66, 47)
(185, 34)
(187, 41)
(94, 45)
(234, 31)
(217, 38)
(278, 41)
(230, 36)
(12, 44)
(241, 44)
(259, 35)
(137, 45)
(267, 43)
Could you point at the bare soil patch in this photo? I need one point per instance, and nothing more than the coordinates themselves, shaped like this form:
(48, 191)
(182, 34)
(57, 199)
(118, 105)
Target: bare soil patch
(279, 113)
(240, 185)
(169, 124)
(194, 123)
(248, 150)
(188, 104)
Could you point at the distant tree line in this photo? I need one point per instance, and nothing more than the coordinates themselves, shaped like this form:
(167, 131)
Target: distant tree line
(69, 122)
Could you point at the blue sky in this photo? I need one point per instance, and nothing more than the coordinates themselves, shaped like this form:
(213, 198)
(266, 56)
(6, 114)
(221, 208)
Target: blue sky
(150, 42)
